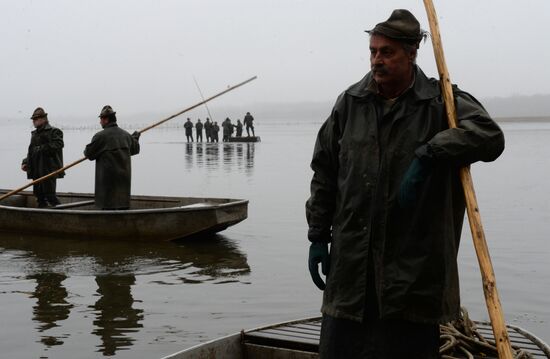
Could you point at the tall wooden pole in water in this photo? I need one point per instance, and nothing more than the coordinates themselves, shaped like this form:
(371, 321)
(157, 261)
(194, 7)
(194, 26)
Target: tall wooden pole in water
(55, 173)
(487, 274)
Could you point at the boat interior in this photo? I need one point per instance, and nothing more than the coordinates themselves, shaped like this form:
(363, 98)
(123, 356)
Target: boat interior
(85, 201)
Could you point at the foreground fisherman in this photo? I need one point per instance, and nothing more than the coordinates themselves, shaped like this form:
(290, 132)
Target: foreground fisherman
(111, 148)
(44, 156)
(198, 129)
(387, 197)
(188, 130)
(208, 130)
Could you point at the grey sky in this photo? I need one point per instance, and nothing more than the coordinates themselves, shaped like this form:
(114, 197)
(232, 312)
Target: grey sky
(72, 57)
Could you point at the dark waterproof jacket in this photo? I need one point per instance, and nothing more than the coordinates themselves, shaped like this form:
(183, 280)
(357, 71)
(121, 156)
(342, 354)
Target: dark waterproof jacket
(111, 149)
(45, 153)
(188, 128)
(199, 127)
(359, 161)
(208, 128)
(248, 121)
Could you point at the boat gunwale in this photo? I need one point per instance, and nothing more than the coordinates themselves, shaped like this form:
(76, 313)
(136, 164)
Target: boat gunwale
(176, 209)
(528, 335)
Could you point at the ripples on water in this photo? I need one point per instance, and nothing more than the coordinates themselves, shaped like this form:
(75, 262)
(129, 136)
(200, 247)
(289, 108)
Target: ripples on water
(67, 298)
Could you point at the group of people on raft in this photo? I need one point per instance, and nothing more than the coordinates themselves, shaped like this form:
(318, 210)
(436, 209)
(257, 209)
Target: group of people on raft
(211, 129)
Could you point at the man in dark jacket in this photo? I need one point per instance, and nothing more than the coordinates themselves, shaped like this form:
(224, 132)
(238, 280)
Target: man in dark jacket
(227, 129)
(111, 148)
(215, 132)
(189, 130)
(208, 130)
(248, 121)
(198, 128)
(44, 156)
(239, 128)
(387, 197)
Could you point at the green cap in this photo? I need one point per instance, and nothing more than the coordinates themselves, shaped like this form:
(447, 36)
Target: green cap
(106, 111)
(38, 113)
(401, 26)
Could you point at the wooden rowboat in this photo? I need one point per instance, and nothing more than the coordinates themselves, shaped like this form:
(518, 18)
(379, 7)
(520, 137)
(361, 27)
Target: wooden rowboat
(149, 218)
(300, 340)
(244, 139)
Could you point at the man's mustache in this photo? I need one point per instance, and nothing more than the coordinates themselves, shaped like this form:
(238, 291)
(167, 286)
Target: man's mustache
(380, 69)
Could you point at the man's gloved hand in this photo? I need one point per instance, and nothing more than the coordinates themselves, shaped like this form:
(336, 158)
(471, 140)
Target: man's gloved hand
(136, 135)
(318, 253)
(412, 182)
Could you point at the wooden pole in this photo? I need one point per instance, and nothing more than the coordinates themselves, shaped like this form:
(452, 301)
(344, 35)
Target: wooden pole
(487, 274)
(55, 173)
(202, 96)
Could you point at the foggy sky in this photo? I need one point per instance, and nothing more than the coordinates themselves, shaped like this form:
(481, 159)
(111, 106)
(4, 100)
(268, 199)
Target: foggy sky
(73, 57)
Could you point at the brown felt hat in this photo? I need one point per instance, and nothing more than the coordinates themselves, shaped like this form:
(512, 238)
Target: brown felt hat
(38, 113)
(401, 26)
(106, 111)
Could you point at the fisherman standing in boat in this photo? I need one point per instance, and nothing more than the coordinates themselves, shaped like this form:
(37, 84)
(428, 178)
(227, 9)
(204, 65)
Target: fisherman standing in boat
(188, 130)
(44, 156)
(387, 197)
(208, 130)
(215, 132)
(249, 123)
(111, 148)
(198, 128)
(239, 128)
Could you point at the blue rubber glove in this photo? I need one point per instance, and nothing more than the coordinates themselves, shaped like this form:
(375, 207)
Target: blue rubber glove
(412, 182)
(318, 253)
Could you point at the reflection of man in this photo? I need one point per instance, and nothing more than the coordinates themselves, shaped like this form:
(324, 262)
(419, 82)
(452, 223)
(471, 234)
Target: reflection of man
(44, 156)
(249, 123)
(116, 318)
(386, 194)
(111, 148)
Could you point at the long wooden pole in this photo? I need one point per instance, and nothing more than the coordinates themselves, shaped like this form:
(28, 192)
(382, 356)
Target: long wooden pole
(202, 96)
(487, 274)
(55, 173)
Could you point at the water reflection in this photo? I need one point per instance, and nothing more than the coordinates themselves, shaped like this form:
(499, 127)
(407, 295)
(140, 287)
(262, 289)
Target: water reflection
(115, 267)
(234, 156)
(51, 306)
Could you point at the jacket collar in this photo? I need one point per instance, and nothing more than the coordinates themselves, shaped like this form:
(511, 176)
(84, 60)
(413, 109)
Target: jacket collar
(424, 88)
(43, 128)
(110, 124)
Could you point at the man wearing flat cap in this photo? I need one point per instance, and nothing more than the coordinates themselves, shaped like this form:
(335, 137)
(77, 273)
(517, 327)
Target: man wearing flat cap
(112, 148)
(387, 198)
(44, 156)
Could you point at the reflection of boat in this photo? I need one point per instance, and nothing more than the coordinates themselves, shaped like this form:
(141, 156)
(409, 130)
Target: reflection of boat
(150, 218)
(300, 340)
(244, 139)
(117, 312)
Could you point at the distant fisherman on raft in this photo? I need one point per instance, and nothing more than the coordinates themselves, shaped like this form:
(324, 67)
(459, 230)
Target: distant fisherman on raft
(112, 148)
(44, 156)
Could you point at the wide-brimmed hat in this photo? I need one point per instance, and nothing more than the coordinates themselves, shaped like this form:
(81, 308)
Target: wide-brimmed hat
(106, 111)
(401, 26)
(38, 113)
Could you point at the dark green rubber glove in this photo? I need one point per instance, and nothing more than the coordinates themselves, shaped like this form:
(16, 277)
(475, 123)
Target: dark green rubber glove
(412, 182)
(318, 253)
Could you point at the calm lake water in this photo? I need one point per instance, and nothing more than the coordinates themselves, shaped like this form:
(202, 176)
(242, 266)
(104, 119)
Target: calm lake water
(67, 298)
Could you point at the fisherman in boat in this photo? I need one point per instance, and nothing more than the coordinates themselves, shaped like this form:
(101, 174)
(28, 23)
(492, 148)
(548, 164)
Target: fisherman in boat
(188, 130)
(215, 131)
(249, 123)
(208, 130)
(44, 156)
(227, 129)
(386, 196)
(198, 129)
(239, 128)
(112, 148)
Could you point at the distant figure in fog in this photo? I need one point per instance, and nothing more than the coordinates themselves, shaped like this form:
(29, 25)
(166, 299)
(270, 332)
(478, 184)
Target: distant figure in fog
(189, 130)
(249, 123)
(208, 130)
(239, 128)
(215, 131)
(198, 128)
(45, 155)
(227, 129)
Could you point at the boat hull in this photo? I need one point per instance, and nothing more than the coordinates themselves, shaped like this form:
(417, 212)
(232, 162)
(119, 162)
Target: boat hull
(150, 218)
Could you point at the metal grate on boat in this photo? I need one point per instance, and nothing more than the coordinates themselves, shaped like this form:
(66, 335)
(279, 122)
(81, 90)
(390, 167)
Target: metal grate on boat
(303, 335)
